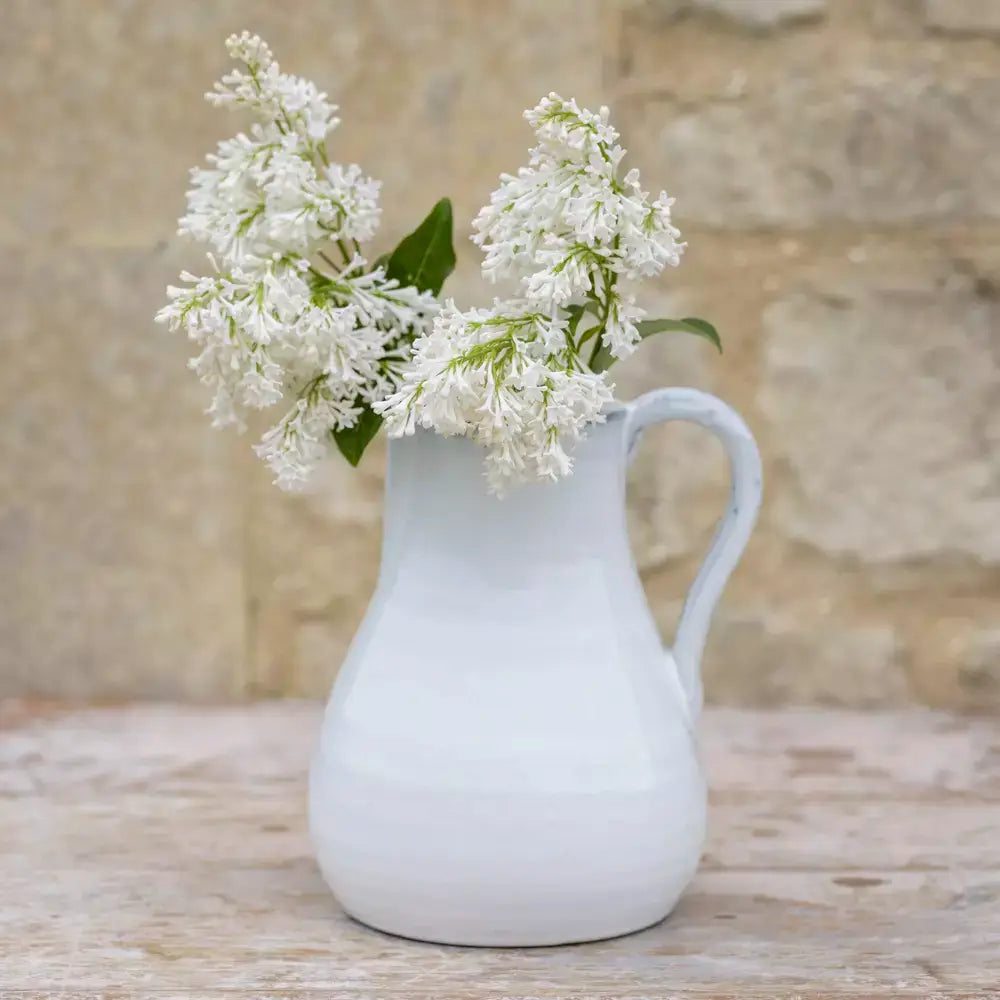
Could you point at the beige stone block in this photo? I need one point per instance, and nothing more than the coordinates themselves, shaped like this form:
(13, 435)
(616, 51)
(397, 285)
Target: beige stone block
(320, 648)
(106, 102)
(313, 563)
(761, 658)
(956, 665)
(979, 671)
(106, 99)
(963, 17)
(875, 141)
(432, 101)
(880, 386)
(121, 516)
(753, 15)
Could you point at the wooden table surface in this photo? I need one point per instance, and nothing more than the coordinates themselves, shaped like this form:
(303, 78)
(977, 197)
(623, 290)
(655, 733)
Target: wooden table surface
(160, 851)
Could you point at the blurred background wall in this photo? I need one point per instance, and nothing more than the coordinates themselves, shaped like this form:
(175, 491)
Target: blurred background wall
(836, 165)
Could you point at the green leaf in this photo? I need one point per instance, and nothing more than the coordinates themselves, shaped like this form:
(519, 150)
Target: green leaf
(382, 260)
(352, 441)
(575, 313)
(426, 257)
(690, 324)
(603, 359)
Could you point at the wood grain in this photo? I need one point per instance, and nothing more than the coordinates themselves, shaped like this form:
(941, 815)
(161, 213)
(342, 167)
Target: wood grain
(159, 851)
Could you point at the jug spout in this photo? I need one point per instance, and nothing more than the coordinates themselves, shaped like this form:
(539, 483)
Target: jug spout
(734, 529)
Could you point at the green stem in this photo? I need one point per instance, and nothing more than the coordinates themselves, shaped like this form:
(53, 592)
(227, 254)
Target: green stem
(609, 286)
(571, 332)
(328, 261)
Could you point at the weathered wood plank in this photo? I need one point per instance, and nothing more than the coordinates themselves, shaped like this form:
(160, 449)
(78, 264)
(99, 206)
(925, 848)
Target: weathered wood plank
(916, 753)
(161, 851)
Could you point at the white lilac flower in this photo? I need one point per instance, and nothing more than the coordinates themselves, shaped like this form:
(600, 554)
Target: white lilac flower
(294, 104)
(295, 445)
(263, 193)
(233, 320)
(570, 198)
(568, 228)
(278, 331)
(518, 378)
(303, 206)
(504, 377)
(620, 332)
(278, 322)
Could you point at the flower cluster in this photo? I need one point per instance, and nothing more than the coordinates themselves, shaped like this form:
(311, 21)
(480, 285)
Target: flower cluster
(280, 319)
(503, 376)
(527, 376)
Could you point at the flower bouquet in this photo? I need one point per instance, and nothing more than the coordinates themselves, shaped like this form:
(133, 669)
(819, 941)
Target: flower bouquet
(293, 314)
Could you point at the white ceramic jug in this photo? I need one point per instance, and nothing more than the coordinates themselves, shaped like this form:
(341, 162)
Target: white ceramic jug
(508, 755)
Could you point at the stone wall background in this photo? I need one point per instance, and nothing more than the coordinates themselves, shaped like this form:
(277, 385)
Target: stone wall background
(836, 165)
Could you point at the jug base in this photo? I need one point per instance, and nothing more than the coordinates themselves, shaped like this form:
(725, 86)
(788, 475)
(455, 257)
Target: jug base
(426, 932)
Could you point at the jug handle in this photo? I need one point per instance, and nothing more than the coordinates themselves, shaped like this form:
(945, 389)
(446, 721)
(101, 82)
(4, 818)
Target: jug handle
(734, 529)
